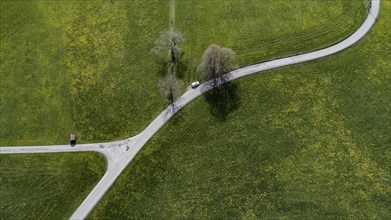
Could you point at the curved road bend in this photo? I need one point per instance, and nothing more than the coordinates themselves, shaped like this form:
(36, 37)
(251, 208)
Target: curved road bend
(119, 156)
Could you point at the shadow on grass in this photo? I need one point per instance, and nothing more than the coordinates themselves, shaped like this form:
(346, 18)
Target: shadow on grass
(164, 65)
(223, 100)
(177, 118)
(181, 67)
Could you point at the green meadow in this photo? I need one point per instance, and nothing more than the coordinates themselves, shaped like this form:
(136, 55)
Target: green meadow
(83, 67)
(310, 141)
(86, 67)
(306, 141)
(263, 30)
(46, 186)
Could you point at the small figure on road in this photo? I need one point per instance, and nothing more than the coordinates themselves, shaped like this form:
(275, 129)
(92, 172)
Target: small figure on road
(72, 139)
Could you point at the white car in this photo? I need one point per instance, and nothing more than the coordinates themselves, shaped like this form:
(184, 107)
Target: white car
(195, 84)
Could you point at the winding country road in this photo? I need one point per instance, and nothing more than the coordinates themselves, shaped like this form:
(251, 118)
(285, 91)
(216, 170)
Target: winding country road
(120, 153)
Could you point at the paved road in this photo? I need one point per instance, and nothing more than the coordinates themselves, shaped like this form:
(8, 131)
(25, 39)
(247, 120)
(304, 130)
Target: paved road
(119, 157)
(111, 150)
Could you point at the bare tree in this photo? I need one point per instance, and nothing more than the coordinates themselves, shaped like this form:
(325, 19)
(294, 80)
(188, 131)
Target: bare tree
(216, 62)
(171, 87)
(170, 41)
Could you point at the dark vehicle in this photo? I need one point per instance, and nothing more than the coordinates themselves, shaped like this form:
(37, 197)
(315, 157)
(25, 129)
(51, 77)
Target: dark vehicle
(72, 139)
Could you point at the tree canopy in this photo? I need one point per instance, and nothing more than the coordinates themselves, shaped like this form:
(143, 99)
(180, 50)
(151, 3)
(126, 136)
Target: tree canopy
(170, 41)
(216, 62)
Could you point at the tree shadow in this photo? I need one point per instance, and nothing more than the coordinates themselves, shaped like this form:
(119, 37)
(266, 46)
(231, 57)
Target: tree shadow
(223, 100)
(181, 67)
(163, 67)
(176, 117)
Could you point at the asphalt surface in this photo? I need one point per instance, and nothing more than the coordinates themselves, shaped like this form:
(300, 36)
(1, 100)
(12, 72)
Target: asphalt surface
(120, 153)
(113, 151)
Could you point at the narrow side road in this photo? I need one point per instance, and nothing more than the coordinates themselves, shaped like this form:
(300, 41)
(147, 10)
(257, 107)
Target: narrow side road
(113, 151)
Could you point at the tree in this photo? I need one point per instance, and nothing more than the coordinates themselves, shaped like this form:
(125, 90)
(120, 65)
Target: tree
(170, 86)
(170, 41)
(216, 63)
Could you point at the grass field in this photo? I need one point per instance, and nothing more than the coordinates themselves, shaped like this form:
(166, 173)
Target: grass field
(46, 186)
(263, 30)
(85, 67)
(34, 100)
(115, 73)
(310, 141)
(78, 66)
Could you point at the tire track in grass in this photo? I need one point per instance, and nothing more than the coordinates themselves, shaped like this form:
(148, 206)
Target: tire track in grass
(314, 34)
(172, 14)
